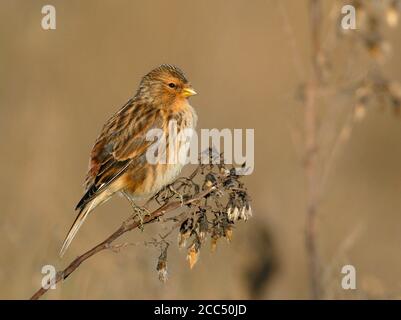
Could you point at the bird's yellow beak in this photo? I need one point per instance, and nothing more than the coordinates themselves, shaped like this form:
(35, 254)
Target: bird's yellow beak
(187, 92)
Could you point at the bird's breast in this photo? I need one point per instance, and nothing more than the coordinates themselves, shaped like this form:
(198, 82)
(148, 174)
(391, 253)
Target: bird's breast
(152, 177)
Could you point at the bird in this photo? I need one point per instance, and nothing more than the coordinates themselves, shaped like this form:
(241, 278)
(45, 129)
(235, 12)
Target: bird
(118, 160)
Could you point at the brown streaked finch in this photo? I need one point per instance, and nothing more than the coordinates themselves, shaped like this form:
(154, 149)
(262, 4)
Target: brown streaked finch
(118, 162)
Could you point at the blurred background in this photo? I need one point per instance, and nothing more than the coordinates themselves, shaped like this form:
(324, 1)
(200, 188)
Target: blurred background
(249, 62)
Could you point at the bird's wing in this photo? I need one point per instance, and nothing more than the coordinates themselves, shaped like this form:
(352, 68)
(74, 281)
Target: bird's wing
(121, 143)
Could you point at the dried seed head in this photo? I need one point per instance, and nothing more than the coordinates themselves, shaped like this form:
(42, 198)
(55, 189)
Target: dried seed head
(213, 244)
(193, 254)
(378, 49)
(238, 206)
(214, 237)
(248, 209)
(162, 266)
(224, 171)
(228, 233)
(210, 180)
(230, 213)
(230, 209)
(162, 270)
(207, 185)
(242, 213)
(202, 227)
(182, 239)
(235, 214)
(392, 15)
(359, 112)
(185, 232)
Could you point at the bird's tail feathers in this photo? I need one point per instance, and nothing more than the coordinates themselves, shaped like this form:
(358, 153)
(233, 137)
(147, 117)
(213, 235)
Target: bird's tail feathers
(79, 220)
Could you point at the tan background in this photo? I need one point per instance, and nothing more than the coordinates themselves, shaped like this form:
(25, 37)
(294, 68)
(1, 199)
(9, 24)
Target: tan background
(58, 87)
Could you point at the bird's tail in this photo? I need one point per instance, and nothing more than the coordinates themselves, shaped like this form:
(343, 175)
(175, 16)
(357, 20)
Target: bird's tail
(79, 220)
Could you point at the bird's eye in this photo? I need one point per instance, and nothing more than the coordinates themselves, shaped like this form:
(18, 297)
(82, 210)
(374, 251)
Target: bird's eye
(171, 85)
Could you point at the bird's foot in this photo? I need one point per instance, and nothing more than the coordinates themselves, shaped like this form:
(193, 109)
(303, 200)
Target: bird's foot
(141, 213)
(175, 192)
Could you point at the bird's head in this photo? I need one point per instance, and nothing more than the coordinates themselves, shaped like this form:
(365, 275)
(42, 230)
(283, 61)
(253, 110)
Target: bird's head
(166, 84)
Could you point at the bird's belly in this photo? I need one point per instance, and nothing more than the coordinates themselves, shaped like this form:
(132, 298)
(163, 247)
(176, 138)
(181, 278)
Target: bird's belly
(167, 175)
(154, 178)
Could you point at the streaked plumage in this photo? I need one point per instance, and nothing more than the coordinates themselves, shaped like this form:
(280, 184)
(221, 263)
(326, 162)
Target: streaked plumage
(118, 158)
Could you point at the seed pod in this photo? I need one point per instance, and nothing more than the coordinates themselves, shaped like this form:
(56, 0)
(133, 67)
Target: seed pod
(214, 237)
(242, 214)
(228, 233)
(230, 209)
(162, 266)
(210, 180)
(235, 214)
(185, 232)
(213, 244)
(392, 14)
(202, 227)
(248, 209)
(193, 254)
(224, 171)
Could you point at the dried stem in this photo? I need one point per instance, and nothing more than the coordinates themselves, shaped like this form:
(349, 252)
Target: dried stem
(219, 183)
(127, 225)
(311, 149)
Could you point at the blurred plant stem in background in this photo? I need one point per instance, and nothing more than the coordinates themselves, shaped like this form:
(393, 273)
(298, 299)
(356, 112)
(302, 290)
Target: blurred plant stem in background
(370, 88)
(311, 149)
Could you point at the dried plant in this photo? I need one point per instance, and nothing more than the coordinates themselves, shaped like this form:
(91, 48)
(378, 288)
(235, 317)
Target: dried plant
(373, 17)
(331, 83)
(213, 198)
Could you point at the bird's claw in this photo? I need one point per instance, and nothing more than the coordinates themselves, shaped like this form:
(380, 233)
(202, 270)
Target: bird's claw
(179, 195)
(141, 213)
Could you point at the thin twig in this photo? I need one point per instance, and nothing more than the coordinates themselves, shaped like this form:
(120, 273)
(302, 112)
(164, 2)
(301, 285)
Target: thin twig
(127, 225)
(311, 149)
(289, 33)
